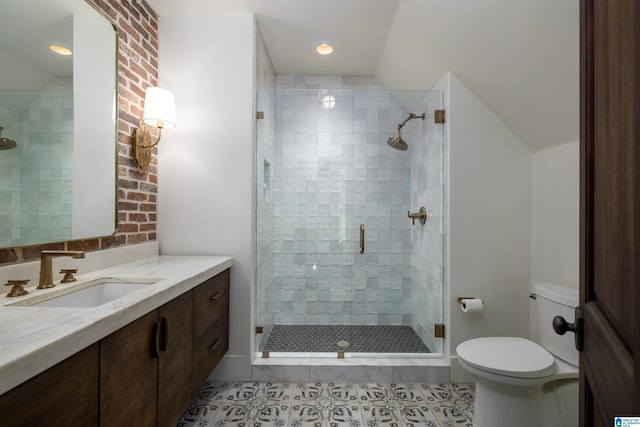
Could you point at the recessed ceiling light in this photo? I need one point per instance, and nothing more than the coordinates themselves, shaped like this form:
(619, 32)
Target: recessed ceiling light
(60, 50)
(324, 49)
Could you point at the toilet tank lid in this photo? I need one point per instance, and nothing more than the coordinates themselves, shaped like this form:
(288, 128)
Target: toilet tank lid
(560, 294)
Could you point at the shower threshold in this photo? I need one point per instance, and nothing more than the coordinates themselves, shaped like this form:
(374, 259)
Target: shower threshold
(301, 367)
(363, 340)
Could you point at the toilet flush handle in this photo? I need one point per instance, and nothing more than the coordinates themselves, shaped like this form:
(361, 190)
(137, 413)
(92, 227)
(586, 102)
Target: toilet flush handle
(561, 326)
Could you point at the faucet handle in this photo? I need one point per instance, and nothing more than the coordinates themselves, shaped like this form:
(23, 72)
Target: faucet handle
(17, 289)
(421, 216)
(413, 220)
(68, 275)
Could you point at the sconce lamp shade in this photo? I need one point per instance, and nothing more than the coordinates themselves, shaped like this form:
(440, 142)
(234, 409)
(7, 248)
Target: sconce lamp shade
(159, 112)
(159, 108)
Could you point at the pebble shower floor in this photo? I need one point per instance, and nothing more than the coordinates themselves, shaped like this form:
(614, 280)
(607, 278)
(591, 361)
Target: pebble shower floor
(249, 404)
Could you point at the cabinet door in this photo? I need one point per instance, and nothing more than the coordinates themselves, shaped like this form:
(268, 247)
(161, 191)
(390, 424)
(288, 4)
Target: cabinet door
(174, 372)
(65, 394)
(129, 375)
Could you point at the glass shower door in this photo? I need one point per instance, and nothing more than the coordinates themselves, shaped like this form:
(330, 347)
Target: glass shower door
(338, 260)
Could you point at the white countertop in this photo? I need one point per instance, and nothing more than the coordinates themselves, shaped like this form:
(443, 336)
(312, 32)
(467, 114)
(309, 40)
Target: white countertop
(32, 339)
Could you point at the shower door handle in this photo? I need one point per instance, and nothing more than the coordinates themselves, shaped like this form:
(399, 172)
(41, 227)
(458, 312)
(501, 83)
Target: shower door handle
(361, 238)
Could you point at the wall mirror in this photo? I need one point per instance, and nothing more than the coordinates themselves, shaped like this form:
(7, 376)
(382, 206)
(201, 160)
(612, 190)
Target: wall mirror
(59, 118)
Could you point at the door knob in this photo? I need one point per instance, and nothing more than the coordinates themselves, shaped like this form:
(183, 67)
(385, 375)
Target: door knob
(561, 326)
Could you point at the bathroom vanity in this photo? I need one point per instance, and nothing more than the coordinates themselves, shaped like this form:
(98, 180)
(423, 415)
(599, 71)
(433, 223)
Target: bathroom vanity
(136, 360)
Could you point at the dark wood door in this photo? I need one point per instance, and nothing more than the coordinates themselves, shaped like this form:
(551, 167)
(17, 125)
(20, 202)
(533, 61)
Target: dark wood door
(610, 210)
(174, 371)
(129, 375)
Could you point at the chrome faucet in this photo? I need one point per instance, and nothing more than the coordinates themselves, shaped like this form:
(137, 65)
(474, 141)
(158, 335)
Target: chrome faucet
(46, 273)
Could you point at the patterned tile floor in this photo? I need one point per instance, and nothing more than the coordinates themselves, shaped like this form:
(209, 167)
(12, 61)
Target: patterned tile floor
(247, 404)
(359, 339)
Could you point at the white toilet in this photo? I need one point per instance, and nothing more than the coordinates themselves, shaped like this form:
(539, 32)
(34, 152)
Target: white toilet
(521, 383)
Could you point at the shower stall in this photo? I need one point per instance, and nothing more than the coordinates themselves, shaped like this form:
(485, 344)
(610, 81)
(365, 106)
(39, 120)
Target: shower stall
(345, 262)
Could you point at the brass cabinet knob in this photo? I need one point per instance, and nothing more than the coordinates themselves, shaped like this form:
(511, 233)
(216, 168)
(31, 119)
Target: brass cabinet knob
(17, 289)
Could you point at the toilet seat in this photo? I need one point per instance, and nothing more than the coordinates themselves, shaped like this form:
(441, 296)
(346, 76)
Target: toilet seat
(507, 356)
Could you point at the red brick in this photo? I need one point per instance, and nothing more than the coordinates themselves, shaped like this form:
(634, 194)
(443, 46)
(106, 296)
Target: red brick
(84, 245)
(147, 227)
(139, 197)
(128, 228)
(136, 238)
(137, 217)
(8, 255)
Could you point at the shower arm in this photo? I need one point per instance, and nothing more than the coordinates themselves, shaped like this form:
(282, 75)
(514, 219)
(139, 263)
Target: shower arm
(411, 117)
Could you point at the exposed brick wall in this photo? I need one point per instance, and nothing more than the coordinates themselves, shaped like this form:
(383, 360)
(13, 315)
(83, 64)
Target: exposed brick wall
(137, 26)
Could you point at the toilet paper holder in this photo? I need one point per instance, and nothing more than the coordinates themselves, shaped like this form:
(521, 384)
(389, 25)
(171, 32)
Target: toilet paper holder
(471, 304)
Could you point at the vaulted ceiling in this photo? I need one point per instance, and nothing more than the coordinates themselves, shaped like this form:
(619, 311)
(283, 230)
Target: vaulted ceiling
(520, 57)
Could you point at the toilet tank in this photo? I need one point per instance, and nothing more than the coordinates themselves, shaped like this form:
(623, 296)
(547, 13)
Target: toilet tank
(554, 300)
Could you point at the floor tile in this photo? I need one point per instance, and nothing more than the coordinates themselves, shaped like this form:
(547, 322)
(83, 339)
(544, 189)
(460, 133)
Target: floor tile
(263, 404)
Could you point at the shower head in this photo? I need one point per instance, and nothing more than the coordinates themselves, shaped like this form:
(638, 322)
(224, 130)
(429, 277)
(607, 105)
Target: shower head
(397, 142)
(6, 143)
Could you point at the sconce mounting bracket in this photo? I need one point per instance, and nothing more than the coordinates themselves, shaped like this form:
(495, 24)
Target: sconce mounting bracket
(142, 145)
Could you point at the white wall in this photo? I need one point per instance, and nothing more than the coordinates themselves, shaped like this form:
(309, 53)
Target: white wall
(489, 195)
(555, 222)
(206, 162)
(555, 204)
(484, 42)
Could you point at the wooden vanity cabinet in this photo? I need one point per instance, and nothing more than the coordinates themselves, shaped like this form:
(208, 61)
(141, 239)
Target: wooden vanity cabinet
(151, 368)
(210, 327)
(63, 395)
(145, 375)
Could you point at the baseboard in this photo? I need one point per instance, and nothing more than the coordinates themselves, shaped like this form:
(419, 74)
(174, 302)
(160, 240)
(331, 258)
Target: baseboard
(232, 368)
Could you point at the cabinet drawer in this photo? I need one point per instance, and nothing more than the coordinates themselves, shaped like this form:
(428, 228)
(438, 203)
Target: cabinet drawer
(211, 302)
(208, 350)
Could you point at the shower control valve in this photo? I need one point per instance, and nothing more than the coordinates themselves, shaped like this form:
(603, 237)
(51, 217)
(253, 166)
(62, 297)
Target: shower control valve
(421, 216)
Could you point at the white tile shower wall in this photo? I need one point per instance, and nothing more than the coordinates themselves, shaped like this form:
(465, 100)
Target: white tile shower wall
(334, 171)
(427, 241)
(44, 133)
(47, 178)
(10, 172)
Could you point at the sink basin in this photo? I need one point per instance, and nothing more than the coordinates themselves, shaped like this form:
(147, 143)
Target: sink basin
(92, 293)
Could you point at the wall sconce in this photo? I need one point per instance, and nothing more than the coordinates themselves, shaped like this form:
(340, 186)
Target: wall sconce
(159, 112)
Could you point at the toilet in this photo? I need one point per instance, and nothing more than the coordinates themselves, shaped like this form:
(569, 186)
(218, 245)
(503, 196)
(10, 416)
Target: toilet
(523, 383)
